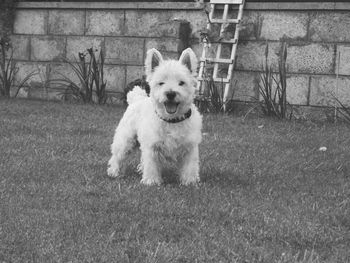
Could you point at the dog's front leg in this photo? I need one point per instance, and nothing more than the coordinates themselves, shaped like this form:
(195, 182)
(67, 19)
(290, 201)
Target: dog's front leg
(151, 172)
(123, 142)
(189, 172)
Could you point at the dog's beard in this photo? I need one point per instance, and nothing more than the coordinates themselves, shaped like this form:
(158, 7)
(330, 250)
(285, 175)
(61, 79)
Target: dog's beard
(171, 107)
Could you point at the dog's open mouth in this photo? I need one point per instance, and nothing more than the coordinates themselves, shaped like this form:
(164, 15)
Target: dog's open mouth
(171, 106)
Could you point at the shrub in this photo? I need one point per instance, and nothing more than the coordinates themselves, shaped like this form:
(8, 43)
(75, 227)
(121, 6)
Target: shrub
(9, 70)
(92, 85)
(213, 101)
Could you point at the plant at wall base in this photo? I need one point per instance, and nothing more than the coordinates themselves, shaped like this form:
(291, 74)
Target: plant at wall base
(98, 76)
(274, 90)
(90, 73)
(213, 100)
(344, 111)
(217, 102)
(9, 70)
(341, 111)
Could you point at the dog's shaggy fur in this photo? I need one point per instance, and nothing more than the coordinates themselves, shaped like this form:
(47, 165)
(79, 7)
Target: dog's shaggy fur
(166, 124)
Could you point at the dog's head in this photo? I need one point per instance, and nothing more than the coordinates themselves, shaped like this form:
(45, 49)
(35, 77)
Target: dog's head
(172, 82)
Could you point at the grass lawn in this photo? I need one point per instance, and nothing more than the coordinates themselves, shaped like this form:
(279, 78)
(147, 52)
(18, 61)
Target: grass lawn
(267, 193)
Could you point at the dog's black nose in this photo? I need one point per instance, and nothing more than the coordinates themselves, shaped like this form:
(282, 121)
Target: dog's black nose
(171, 95)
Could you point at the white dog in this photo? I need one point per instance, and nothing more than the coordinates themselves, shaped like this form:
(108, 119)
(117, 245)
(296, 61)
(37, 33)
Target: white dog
(167, 124)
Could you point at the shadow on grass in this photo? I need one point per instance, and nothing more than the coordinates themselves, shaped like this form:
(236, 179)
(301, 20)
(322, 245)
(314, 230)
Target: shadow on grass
(132, 176)
(224, 178)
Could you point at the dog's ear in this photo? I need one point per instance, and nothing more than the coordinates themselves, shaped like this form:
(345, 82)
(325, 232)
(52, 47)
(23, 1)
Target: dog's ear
(153, 59)
(189, 59)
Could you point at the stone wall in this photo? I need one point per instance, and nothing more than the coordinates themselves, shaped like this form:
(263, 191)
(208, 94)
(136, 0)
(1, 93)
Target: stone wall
(46, 35)
(317, 35)
(318, 40)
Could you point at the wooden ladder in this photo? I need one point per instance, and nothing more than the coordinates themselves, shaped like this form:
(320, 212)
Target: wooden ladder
(218, 61)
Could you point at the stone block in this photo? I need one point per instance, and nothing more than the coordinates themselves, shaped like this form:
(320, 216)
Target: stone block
(251, 55)
(298, 90)
(105, 23)
(133, 73)
(54, 94)
(22, 93)
(283, 25)
(47, 48)
(7, 17)
(250, 28)
(30, 22)
(169, 47)
(81, 44)
(37, 92)
(60, 71)
(197, 20)
(124, 51)
(330, 26)
(20, 47)
(27, 68)
(324, 88)
(245, 86)
(115, 77)
(66, 22)
(313, 113)
(311, 58)
(343, 59)
(152, 24)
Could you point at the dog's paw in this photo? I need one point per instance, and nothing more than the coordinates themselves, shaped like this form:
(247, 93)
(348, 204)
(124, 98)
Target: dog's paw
(112, 172)
(189, 181)
(151, 181)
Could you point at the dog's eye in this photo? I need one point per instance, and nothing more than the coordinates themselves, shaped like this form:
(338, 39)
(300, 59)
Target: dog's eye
(181, 83)
(161, 83)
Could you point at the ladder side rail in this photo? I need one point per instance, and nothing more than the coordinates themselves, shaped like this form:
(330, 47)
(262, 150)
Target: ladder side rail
(236, 36)
(231, 2)
(206, 45)
(219, 48)
(233, 54)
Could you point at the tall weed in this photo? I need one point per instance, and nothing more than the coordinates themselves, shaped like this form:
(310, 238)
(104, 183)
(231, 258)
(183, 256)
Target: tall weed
(213, 98)
(9, 70)
(272, 89)
(341, 111)
(344, 111)
(91, 87)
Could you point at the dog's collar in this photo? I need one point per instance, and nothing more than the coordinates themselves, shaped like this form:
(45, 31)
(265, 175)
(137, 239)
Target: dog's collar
(177, 119)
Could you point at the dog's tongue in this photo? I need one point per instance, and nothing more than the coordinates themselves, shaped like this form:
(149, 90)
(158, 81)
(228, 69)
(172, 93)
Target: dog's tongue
(170, 107)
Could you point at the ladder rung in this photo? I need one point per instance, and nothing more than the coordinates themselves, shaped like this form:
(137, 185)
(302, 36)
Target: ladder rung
(228, 41)
(218, 60)
(221, 62)
(225, 41)
(234, 2)
(225, 21)
(224, 80)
